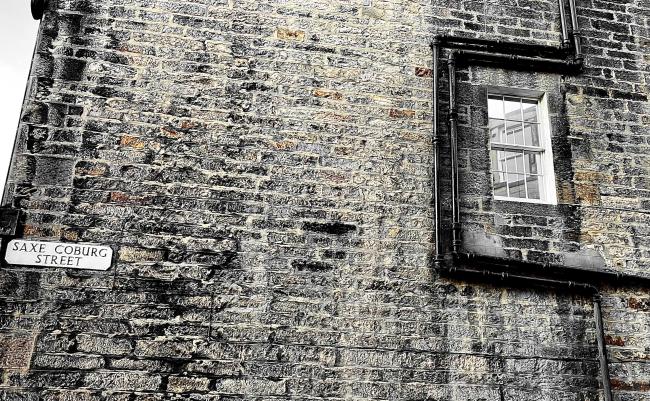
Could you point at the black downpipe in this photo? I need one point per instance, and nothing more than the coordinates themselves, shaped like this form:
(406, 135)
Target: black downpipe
(602, 349)
(565, 31)
(575, 31)
(438, 256)
(453, 144)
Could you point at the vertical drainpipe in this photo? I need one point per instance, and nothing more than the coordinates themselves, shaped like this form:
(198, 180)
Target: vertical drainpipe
(563, 24)
(575, 31)
(438, 258)
(602, 350)
(453, 143)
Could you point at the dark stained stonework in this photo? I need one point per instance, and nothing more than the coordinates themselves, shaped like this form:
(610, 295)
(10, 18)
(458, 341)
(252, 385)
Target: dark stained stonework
(263, 170)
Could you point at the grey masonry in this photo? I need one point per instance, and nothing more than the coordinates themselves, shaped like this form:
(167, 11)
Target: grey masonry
(263, 171)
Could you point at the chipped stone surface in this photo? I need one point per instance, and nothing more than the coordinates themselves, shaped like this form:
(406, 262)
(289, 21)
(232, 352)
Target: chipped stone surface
(263, 170)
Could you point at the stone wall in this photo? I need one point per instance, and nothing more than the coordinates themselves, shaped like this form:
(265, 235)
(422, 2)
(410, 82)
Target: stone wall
(263, 171)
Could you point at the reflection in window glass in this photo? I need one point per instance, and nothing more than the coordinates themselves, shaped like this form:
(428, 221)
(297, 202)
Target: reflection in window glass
(514, 132)
(497, 128)
(495, 107)
(500, 187)
(512, 108)
(529, 110)
(516, 186)
(532, 186)
(531, 134)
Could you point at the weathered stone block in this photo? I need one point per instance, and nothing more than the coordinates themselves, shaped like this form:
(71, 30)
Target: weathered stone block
(16, 350)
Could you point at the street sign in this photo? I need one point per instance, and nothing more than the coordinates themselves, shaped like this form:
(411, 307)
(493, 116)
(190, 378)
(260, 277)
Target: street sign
(58, 254)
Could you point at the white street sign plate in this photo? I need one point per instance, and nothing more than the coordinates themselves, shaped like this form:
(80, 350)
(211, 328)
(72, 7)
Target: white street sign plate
(59, 254)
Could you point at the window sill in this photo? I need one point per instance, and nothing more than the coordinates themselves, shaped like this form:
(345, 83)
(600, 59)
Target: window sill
(522, 200)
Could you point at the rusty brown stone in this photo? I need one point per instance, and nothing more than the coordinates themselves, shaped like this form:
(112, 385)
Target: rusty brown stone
(170, 133)
(329, 94)
(284, 145)
(587, 194)
(641, 305)
(290, 34)
(94, 169)
(423, 72)
(399, 113)
(132, 142)
(633, 386)
(611, 340)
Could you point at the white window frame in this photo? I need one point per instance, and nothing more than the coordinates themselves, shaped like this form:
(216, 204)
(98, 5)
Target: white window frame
(548, 191)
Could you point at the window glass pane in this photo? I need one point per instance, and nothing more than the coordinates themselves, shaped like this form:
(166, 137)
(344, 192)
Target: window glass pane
(501, 161)
(530, 110)
(495, 107)
(497, 127)
(514, 132)
(516, 185)
(520, 162)
(512, 107)
(499, 183)
(517, 171)
(531, 134)
(533, 163)
(514, 162)
(532, 181)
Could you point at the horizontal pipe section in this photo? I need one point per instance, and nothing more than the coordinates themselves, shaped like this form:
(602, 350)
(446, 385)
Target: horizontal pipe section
(512, 61)
(589, 276)
(515, 280)
(501, 46)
